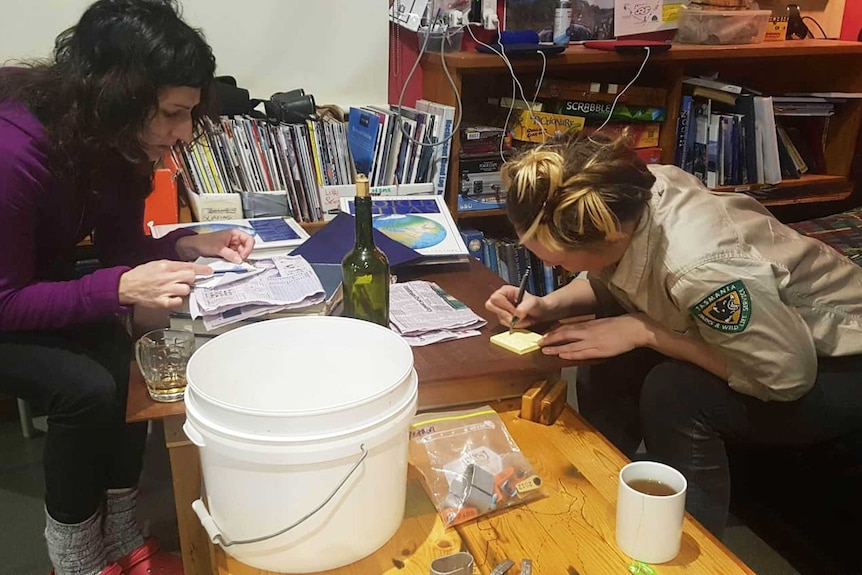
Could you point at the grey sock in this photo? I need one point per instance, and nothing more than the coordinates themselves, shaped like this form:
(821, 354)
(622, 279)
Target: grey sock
(76, 549)
(121, 530)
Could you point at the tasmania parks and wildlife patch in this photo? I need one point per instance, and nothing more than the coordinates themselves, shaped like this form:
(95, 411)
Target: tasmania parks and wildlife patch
(727, 309)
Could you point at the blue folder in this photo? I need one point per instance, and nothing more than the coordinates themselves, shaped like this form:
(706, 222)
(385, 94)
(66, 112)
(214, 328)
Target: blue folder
(331, 243)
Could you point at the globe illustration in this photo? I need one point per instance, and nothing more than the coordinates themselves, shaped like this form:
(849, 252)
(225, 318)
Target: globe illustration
(413, 231)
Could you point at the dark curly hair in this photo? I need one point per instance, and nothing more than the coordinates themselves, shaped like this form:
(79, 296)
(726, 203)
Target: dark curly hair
(97, 93)
(575, 191)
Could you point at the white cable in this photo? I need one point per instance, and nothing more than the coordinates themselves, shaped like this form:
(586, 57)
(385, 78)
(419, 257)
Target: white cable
(541, 76)
(501, 53)
(457, 124)
(614, 104)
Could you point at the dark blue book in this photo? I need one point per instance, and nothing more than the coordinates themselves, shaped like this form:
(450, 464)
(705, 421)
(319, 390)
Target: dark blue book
(362, 129)
(331, 243)
(682, 131)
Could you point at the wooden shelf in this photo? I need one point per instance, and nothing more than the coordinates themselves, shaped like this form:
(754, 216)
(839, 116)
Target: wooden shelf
(577, 55)
(472, 214)
(809, 189)
(771, 67)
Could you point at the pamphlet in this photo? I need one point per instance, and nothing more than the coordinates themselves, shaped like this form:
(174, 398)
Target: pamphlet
(267, 232)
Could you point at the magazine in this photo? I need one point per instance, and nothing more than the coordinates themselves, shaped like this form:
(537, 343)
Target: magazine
(591, 19)
(422, 223)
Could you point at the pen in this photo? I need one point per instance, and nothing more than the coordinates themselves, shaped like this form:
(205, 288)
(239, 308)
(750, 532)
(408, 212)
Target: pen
(521, 289)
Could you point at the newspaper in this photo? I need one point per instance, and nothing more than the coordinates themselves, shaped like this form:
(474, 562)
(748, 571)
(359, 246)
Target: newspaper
(422, 313)
(280, 283)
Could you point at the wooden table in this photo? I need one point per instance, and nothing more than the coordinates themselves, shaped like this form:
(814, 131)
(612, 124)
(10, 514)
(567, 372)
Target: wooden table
(569, 531)
(460, 372)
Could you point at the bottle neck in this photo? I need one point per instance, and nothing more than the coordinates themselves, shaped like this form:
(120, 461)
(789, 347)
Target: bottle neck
(362, 207)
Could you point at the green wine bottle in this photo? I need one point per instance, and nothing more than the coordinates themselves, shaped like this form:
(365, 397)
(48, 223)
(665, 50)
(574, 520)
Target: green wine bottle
(365, 269)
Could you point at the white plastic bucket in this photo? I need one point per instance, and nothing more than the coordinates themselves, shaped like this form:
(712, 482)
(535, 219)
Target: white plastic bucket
(302, 417)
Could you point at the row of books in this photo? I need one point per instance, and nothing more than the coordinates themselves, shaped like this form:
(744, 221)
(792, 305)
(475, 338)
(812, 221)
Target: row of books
(510, 260)
(409, 148)
(241, 154)
(728, 136)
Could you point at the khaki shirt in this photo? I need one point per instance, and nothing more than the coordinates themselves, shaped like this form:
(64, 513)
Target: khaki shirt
(718, 267)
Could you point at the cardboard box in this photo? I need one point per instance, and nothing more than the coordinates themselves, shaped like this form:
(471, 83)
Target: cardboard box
(212, 207)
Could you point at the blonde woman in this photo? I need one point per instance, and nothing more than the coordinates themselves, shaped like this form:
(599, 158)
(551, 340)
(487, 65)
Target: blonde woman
(715, 321)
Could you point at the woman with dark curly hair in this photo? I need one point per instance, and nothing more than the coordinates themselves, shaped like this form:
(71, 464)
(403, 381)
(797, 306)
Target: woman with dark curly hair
(79, 137)
(715, 321)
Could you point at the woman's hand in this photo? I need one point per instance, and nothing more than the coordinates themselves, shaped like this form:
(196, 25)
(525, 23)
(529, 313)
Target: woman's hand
(159, 284)
(532, 309)
(233, 245)
(598, 338)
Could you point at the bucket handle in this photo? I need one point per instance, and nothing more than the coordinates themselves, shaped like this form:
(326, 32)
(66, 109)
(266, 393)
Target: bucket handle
(216, 535)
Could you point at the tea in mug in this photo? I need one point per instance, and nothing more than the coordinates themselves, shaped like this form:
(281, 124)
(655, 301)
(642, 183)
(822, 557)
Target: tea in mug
(651, 487)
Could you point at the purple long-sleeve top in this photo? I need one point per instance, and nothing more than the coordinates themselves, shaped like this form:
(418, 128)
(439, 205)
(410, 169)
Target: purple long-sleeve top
(41, 222)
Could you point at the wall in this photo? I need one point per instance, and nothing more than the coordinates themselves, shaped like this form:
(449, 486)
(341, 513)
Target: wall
(828, 13)
(335, 49)
(852, 23)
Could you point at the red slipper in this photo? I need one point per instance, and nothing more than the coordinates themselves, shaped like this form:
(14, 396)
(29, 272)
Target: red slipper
(148, 560)
(110, 569)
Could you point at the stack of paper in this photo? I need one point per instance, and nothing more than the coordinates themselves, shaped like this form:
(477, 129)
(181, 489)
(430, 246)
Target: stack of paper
(266, 288)
(271, 235)
(422, 313)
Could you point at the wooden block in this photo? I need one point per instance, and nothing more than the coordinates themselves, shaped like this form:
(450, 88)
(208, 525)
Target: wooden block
(520, 341)
(531, 398)
(551, 406)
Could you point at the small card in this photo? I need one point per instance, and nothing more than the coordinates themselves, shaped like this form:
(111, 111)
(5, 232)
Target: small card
(520, 341)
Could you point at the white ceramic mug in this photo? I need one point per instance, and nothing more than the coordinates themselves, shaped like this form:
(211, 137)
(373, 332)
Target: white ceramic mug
(649, 527)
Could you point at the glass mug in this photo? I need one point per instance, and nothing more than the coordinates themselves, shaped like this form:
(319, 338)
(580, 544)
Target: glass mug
(162, 356)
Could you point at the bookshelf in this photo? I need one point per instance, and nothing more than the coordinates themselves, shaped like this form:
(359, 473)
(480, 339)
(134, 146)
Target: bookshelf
(772, 68)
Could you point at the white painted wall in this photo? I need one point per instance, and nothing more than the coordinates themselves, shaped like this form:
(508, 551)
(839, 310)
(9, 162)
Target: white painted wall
(335, 49)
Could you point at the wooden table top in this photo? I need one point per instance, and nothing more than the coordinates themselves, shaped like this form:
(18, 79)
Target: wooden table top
(568, 531)
(455, 372)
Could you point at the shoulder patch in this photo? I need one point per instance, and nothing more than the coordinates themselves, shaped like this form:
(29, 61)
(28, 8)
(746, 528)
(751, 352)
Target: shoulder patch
(727, 309)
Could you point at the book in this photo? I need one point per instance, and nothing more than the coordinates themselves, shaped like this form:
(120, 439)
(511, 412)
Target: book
(537, 127)
(421, 223)
(764, 119)
(601, 110)
(717, 95)
(268, 233)
(330, 196)
(473, 239)
(331, 243)
(683, 131)
(443, 138)
(713, 84)
(601, 92)
(362, 137)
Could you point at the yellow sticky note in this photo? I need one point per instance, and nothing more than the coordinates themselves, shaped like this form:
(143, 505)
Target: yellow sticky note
(520, 341)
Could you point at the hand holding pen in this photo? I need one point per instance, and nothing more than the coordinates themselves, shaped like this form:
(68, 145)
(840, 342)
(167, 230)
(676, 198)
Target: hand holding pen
(521, 289)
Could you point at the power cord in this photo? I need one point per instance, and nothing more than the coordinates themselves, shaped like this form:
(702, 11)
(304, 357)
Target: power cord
(629, 85)
(819, 27)
(459, 112)
(516, 83)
